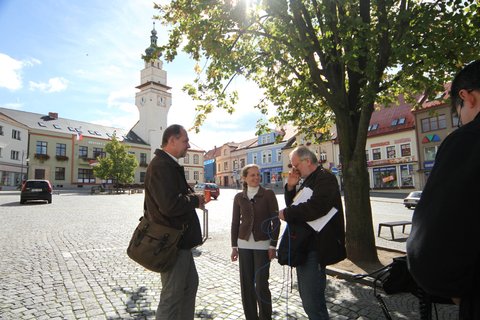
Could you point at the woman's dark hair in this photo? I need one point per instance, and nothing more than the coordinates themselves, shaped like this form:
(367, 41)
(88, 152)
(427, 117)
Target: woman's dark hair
(468, 78)
(173, 130)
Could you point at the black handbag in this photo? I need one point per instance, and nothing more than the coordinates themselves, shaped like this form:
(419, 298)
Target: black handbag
(295, 244)
(154, 246)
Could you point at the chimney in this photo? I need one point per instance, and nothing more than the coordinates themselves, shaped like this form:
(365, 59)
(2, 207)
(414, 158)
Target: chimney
(53, 115)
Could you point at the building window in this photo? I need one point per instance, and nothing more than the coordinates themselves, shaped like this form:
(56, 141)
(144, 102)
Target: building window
(195, 159)
(225, 166)
(59, 173)
(405, 150)
(391, 152)
(39, 174)
(1, 130)
(376, 154)
(385, 177)
(86, 176)
(142, 177)
(0, 152)
(255, 158)
(82, 152)
(219, 168)
(14, 155)
(61, 149)
(187, 175)
(195, 175)
(279, 156)
(434, 123)
(41, 147)
(98, 152)
(367, 155)
(430, 153)
(242, 163)
(15, 134)
(143, 158)
(406, 175)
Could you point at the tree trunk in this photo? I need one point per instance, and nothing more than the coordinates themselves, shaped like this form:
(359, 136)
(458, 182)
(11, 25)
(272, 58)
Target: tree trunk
(360, 236)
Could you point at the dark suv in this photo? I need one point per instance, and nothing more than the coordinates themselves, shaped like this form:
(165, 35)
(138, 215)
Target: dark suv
(36, 190)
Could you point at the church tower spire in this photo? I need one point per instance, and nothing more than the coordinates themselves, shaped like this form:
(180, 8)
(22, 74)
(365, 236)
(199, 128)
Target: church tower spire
(154, 98)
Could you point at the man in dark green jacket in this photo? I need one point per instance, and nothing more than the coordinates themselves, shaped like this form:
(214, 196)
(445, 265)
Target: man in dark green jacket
(170, 201)
(443, 248)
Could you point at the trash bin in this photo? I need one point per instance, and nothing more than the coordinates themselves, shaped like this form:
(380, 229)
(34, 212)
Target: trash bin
(207, 196)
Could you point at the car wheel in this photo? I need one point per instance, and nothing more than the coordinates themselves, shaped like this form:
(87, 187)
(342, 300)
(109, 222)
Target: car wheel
(22, 201)
(408, 206)
(215, 198)
(49, 201)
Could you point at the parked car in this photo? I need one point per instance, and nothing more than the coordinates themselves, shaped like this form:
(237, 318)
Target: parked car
(36, 190)
(412, 199)
(212, 187)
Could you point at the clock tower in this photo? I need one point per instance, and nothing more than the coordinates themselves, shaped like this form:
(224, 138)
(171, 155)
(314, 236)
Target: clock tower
(154, 98)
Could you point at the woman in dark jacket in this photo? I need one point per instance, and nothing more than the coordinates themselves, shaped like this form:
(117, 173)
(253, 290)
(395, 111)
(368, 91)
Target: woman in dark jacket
(255, 229)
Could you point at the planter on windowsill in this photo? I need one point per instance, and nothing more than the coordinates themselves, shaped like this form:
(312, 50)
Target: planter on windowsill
(61, 158)
(41, 156)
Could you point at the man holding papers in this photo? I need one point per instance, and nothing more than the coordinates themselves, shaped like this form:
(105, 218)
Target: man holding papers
(316, 201)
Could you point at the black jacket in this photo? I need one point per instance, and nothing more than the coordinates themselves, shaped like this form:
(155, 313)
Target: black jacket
(330, 241)
(169, 200)
(443, 248)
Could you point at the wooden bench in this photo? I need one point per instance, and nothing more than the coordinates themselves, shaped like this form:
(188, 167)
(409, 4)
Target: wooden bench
(393, 224)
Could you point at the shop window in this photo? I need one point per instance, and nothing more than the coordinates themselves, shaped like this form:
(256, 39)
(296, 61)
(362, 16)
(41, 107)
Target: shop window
(376, 154)
(430, 153)
(406, 175)
(385, 178)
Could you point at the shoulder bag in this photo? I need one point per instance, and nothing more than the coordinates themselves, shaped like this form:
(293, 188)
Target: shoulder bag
(154, 246)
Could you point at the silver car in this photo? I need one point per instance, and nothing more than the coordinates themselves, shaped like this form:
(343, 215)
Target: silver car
(412, 199)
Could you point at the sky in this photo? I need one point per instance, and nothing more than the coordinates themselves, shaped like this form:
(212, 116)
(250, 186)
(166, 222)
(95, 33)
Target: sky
(82, 59)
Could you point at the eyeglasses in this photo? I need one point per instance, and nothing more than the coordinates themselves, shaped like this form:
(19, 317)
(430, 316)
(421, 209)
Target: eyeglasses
(291, 165)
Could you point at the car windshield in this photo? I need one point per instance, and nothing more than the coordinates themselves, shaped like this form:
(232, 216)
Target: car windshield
(416, 194)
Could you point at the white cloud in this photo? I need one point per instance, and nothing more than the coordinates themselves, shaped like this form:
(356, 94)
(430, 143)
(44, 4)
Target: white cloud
(16, 106)
(56, 84)
(10, 76)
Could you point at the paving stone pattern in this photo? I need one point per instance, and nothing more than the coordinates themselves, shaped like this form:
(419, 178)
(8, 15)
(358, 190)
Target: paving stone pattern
(67, 260)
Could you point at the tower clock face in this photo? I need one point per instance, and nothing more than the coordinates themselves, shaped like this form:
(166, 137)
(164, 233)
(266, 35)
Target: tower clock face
(142, 101)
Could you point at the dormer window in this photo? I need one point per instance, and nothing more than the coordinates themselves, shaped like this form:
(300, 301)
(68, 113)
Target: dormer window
(56, 126)
(71, 129)
(401, 121)
(41, 124)
(394, 122)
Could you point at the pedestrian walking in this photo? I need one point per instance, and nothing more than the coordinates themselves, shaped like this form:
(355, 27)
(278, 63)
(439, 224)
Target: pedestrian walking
(254, 234)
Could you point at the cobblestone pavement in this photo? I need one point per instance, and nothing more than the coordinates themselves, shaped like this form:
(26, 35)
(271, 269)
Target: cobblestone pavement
(67, 260)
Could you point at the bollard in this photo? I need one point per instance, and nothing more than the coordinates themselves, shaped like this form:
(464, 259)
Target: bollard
(207, 196)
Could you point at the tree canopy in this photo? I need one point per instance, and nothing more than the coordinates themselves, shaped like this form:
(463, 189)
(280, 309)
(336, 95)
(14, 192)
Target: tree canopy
(118, 164)
(323, 61)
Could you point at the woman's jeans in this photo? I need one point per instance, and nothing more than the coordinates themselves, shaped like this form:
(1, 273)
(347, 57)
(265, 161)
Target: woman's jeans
(311, 285)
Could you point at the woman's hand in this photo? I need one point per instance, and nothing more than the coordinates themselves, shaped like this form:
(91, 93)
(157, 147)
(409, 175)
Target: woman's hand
(234, 255)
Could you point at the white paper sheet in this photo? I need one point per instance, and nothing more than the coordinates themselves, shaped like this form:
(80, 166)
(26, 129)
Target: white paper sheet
(317, 224)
